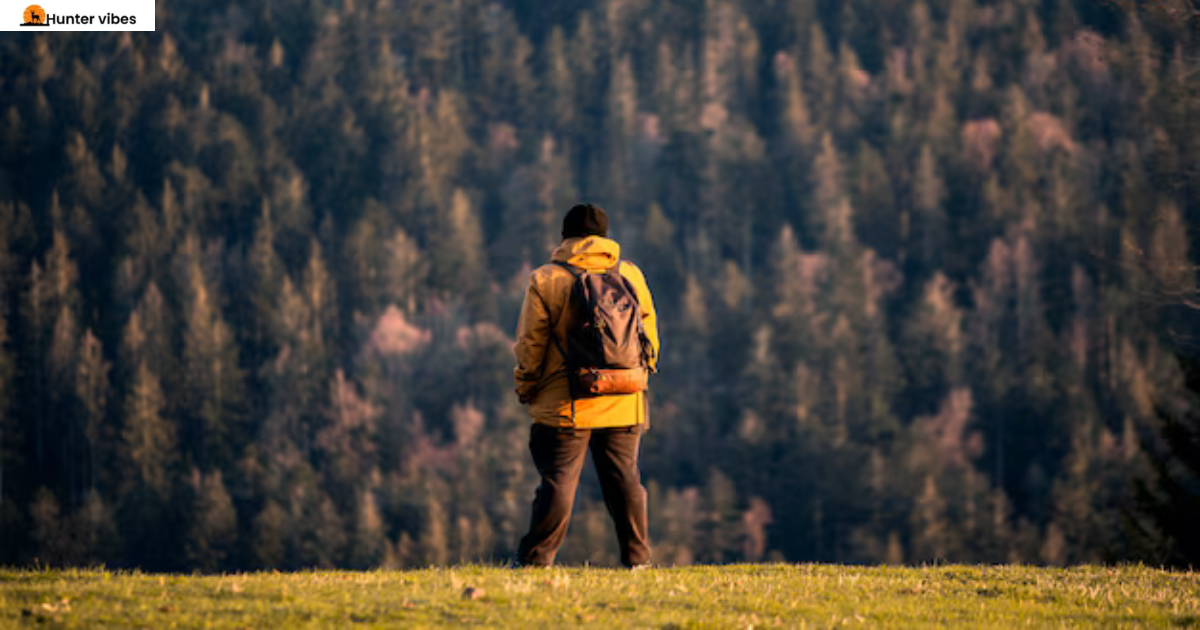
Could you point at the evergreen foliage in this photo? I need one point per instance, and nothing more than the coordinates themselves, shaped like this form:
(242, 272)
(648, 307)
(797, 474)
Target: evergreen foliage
(924, 274)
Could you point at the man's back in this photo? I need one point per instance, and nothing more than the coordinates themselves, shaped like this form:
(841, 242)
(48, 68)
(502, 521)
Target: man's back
(540, 374)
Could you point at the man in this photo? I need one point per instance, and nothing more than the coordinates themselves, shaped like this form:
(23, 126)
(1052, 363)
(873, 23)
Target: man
(567, 421)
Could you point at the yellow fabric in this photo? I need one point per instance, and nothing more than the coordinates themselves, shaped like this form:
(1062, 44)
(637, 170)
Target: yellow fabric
(541, 369)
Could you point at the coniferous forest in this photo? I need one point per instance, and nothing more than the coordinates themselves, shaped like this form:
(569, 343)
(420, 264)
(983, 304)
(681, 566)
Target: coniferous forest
(923, 272)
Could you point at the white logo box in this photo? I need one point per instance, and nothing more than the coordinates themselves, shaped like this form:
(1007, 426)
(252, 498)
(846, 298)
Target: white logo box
(80, 15)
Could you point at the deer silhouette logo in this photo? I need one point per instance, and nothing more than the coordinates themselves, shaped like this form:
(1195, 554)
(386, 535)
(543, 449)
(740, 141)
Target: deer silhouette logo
(34, 16)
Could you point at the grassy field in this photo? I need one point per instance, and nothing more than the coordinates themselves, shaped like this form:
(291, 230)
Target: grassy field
(730, 596)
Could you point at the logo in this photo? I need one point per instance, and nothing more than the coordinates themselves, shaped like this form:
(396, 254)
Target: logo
(34, 16)
(82, 15)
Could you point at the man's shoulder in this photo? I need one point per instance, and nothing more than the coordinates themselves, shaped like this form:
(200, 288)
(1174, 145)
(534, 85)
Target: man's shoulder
(630, 270)
(629, 265)
(548, 270)
(548, 276)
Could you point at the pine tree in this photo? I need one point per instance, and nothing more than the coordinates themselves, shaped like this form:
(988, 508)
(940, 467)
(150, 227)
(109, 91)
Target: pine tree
(853, 87)
(819, 80)
(348, 438)
(458, 255)
(796, 121)
(369, 545)
(930, 526)
(442, 142)
(172, 222)
(1160, 521)
(942, 128)
(322, 533)
(931, 218)
(404, 272)
(149, 438)
(833, 217)
(271, 535)
(92, 389)
(434, 539)
(793, 299)
(96, 531)
(145, 237)
(1020, 160)
(1167, 263)
(294, 378)
(659, 254)
(213, 531)
(438, 49)
(718, 55)
(934, 340)
(880, 225)
(505, 71)
(51, 322)
(214, 378)
(86, 183)
(267, 273)
(585, 53)
(620, 124)
(320, 293)
(666, 86)
(1085, 529)
(720, 526)
(559, 87)
(51, 535)
(146, 338)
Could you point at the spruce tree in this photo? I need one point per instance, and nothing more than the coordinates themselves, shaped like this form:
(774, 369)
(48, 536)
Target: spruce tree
(213, 531)
(369, 545)
(96, 532)
(50, 531)
(149, 439)
(92, 389)
(269, 548)
(214, 378)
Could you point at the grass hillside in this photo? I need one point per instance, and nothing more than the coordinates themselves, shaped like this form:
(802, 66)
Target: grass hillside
(741, 596)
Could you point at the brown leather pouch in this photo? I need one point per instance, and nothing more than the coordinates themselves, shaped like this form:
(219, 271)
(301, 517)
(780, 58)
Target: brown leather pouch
(602, 382)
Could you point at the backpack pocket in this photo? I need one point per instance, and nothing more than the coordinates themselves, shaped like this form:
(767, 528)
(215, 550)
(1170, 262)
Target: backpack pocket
(601, 382)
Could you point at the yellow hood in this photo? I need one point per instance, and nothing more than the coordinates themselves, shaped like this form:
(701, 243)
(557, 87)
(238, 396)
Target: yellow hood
(592, 253)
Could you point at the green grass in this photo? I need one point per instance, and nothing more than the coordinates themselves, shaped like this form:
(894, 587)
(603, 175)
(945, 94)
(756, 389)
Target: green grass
(730, 596)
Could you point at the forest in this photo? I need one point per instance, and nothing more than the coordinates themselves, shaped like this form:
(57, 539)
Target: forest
(923, 272)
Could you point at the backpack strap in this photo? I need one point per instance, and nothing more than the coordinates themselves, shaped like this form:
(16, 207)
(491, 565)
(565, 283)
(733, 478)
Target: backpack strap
(628, 283)
(574, 271)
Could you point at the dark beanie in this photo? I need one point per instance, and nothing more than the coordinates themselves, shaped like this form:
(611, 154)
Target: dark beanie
(583, 220)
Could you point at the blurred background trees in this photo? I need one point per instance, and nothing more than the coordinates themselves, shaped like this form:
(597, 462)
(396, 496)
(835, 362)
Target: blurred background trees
(924, 272)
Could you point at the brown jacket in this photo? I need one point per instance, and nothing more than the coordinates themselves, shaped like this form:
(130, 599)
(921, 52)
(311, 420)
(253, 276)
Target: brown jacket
(541, 374)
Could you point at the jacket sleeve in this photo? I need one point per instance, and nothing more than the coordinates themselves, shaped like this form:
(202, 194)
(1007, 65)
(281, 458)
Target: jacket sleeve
(533, 334)
(646, 303)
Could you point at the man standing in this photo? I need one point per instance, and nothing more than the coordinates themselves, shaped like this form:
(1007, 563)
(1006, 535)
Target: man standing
(586, 340)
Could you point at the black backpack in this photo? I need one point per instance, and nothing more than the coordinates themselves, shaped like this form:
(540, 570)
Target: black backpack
(607, 350)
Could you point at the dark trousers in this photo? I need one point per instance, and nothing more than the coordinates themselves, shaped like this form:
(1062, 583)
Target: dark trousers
(558, 455)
